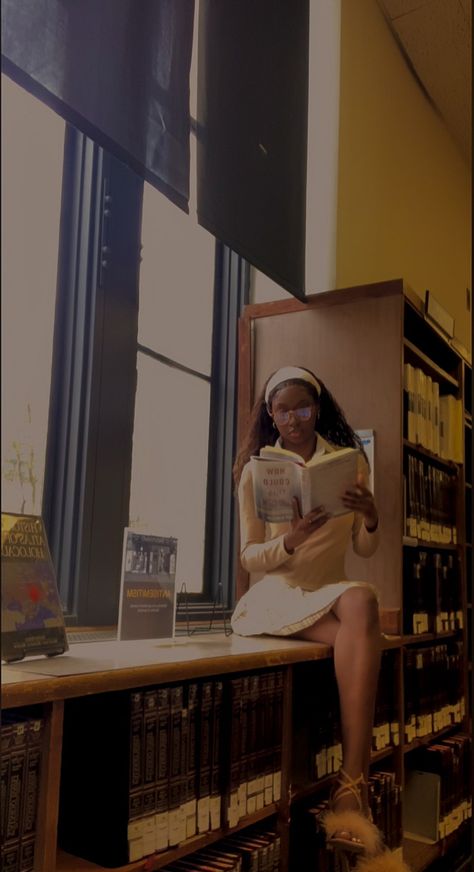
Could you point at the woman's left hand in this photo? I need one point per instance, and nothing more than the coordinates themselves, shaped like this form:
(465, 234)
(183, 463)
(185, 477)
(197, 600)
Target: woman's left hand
(359, 499)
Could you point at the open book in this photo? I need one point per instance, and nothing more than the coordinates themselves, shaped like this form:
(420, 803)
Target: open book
(279, 475)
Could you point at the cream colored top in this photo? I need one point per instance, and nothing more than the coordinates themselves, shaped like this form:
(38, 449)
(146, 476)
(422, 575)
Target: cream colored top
(317, 561)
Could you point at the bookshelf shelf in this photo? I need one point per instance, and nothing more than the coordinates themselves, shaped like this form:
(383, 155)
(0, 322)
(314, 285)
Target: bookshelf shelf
(421, 855)
(299, 793)
(418, 855)
(427, 740)
(450, 465)
(411, 542)
(416, 638)
(429, 364)
(68, 863)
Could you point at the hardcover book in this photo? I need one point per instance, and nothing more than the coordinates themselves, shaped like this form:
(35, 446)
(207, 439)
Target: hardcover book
(148, 591)
(32, 616)
(279, 475)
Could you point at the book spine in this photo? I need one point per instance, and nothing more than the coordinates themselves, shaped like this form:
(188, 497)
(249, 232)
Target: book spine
(135, 798)
(233, 811)
(216, 757)
(16, 786)
(277, 735)
(162, 769)
(204, 773)
(177, 828)
(10, 856)
(244, 745)
(190, 791)
(253, 732)
(268, 737)
(32, 777)
(5, 736)
(27, 855)
(150, 704)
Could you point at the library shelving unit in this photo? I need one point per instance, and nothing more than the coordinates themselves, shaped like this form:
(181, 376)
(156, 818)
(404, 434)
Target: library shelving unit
(358, 341)
(90, 670)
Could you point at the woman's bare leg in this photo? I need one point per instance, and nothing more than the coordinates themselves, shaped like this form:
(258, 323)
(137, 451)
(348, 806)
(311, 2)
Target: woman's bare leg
(353, 629)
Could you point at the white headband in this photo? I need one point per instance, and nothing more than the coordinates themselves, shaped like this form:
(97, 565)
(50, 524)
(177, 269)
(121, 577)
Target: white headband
(289, 373)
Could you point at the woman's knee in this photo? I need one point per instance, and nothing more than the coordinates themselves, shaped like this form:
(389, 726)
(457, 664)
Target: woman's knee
(359, 605)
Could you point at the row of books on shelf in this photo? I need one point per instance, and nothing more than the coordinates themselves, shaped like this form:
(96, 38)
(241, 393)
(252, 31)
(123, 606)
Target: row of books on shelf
(432, 594)
(438, 785)
(429, 498)
(434, 689)
(254, 850)
(177, 760)
(255, 743)
(21, 751)
(432, 420)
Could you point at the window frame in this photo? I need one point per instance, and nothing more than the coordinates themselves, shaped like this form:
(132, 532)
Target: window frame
(87, 476)
(85, 501)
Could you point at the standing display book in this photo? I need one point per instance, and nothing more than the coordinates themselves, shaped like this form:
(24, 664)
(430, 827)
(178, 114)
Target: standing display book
(147, 591)
(32, 617)
(279, 475)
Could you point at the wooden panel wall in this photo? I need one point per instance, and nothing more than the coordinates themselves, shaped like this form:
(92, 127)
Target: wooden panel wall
(354, 343)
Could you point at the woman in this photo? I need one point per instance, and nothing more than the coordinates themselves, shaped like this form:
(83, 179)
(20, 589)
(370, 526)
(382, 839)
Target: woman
(304, 592)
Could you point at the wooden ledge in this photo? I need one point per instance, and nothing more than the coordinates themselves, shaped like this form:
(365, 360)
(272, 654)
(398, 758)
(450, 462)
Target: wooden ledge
(97, 667)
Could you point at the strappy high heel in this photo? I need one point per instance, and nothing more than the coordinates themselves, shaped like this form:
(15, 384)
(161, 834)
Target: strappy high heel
(350, 830)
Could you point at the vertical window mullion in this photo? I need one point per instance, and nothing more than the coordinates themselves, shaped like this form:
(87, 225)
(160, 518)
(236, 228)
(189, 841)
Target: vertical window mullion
(231, 294)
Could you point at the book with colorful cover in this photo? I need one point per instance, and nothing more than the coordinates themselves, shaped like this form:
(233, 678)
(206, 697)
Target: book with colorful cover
(279, 475)
(148, 591)
(32, 615)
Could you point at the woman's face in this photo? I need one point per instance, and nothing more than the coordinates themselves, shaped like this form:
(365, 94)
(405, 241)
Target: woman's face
(294, 412)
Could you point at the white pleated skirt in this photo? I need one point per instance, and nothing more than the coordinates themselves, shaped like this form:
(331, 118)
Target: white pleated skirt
(273, 607)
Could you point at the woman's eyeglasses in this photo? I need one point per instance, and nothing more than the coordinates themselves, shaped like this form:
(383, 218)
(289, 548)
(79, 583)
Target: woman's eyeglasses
(303, 414)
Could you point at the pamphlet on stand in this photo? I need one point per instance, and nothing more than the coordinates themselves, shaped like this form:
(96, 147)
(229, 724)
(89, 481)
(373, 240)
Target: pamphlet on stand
(32, 615)
(147, 607)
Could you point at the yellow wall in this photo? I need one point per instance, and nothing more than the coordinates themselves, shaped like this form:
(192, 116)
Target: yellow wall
(404, 187)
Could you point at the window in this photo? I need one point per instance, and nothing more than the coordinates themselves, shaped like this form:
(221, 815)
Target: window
(170, 440)
(32, 157)
(136, 404)
(142, 420)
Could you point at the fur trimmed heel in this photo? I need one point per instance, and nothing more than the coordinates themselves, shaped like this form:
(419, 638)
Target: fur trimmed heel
(350, 830)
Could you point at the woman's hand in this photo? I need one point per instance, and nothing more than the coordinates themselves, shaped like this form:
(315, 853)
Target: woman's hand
(359, 499)
(303, 526)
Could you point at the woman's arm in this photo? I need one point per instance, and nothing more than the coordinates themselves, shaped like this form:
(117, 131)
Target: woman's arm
(365, 528)
(256, 555)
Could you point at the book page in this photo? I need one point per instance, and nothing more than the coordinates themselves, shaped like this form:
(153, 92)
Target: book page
(329, 479)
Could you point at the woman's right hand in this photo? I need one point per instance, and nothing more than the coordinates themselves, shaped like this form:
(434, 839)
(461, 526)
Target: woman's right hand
(302, 526)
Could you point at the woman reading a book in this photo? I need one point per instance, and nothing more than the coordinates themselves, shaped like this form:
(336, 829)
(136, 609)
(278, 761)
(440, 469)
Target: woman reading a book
(304, 592)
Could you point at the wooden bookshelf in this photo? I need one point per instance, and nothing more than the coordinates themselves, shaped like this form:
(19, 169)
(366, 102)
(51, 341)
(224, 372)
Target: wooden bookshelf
(326, 333)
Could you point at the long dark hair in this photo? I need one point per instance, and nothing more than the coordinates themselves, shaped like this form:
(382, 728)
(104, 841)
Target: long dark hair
(331, 424)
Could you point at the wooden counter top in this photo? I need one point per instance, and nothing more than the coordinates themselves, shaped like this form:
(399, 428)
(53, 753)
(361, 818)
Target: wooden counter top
(95, 667)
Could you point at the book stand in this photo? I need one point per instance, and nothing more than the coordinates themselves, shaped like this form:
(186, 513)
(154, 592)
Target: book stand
(218, 609)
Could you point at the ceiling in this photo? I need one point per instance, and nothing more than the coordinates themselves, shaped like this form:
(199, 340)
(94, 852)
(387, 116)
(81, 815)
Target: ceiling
(435, 36)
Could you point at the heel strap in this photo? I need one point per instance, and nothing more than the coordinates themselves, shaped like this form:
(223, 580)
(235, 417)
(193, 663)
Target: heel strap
(347, 785)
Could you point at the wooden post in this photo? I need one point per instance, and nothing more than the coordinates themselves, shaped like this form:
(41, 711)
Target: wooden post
(48, 802)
